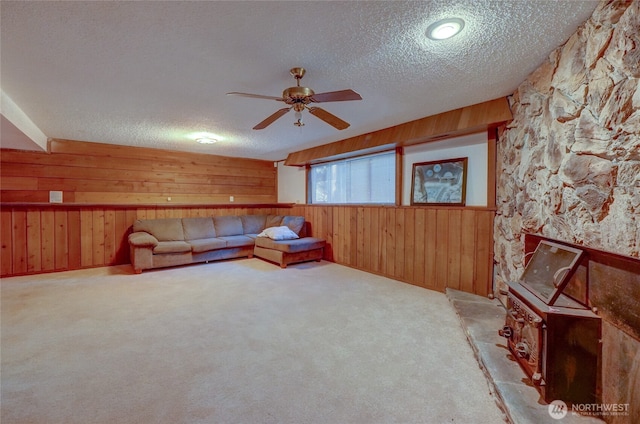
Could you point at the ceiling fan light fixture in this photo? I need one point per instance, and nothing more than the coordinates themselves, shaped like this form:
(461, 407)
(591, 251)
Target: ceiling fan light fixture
(298, 97)
(445, 28)
(206, 140)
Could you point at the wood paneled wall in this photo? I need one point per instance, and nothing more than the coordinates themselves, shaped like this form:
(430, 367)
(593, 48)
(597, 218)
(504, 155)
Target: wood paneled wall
(67, 237)
(435, 247)
(94, 173)
(467, 120)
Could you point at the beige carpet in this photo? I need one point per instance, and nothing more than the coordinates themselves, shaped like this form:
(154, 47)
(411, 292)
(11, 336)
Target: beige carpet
(234, 342)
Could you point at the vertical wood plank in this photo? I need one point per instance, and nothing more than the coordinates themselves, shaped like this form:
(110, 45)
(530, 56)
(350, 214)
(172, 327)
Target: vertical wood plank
(321, 220)
(130, 217)
(346, 237)
(420, 244)
(360, 237)
(34, 258)
(366, 238)
(382, 240)
(375, 240)
(329, 249)
(390, 257)
(467, 249)
(409, 242)
(431, 249)
(442, 249)
(75, 239)
(121, 234)
(337, 236)
(86, 237)
(399, 244)
(98, 236)
(484, 254)
(61, 240)
(19, 241)
(47, 236)
(110, 237)
(353, 235)
(6, 236)
(453, 254)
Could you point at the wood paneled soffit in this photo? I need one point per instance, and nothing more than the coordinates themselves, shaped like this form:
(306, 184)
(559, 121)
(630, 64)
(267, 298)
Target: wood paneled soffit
(103, 150)
(467, 120)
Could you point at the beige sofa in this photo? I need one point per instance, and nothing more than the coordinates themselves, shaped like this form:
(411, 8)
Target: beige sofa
(157, 243)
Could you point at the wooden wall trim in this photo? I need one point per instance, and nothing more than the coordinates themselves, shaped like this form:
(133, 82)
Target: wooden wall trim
(399, 174)
(390, 206)
(463, 121)
(71, 206)
(492, 155)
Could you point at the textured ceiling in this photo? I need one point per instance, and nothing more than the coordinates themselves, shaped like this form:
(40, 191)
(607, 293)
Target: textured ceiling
(152, 73)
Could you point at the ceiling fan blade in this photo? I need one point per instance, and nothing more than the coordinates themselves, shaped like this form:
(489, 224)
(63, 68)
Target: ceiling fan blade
(271, 119)
(336, 96)
(255, 96)
(329, 118)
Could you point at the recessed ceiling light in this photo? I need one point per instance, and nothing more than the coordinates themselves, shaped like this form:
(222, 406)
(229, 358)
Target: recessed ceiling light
(445, 28)
(206, 140)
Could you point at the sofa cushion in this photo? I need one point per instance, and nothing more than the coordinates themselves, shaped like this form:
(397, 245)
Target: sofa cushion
(238, 241)
(291, 246)
(273, 221)
(253, 224)
(228, 226)
(295, 223)
(172, 247)
(204, 245)
(198, 228)
(167, 229)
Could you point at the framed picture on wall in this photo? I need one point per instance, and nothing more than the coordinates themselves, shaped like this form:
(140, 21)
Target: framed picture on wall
(441, 182)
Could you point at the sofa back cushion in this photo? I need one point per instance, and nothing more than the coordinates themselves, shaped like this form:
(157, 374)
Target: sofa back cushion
(273, 221)
(253, 224)
(168, 229)
(228, 226)
(198, 228)
(295, 223)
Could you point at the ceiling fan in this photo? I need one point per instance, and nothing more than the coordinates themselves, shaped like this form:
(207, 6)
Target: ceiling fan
(299, 98)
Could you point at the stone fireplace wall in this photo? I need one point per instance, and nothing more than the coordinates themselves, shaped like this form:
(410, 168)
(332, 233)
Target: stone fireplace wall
(568, 166)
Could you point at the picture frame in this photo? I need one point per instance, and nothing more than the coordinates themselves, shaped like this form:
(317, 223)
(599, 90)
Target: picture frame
(440, 182)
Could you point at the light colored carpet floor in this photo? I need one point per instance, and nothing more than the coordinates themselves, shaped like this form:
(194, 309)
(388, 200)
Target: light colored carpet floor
(235, 342)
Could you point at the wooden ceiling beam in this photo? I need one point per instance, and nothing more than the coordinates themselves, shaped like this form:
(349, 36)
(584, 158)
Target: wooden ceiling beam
(466, 120)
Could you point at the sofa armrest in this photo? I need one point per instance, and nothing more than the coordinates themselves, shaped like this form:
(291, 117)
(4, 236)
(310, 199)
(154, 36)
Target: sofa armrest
(142, 239)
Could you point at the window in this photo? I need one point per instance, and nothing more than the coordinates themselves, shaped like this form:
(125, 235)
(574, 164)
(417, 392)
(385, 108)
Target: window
(367, 179)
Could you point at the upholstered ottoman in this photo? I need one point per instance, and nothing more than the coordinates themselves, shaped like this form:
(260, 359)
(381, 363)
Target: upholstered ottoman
(284, 252)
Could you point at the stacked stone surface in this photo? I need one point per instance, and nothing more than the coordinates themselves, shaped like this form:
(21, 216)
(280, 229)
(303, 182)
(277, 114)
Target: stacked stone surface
(569, 162)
